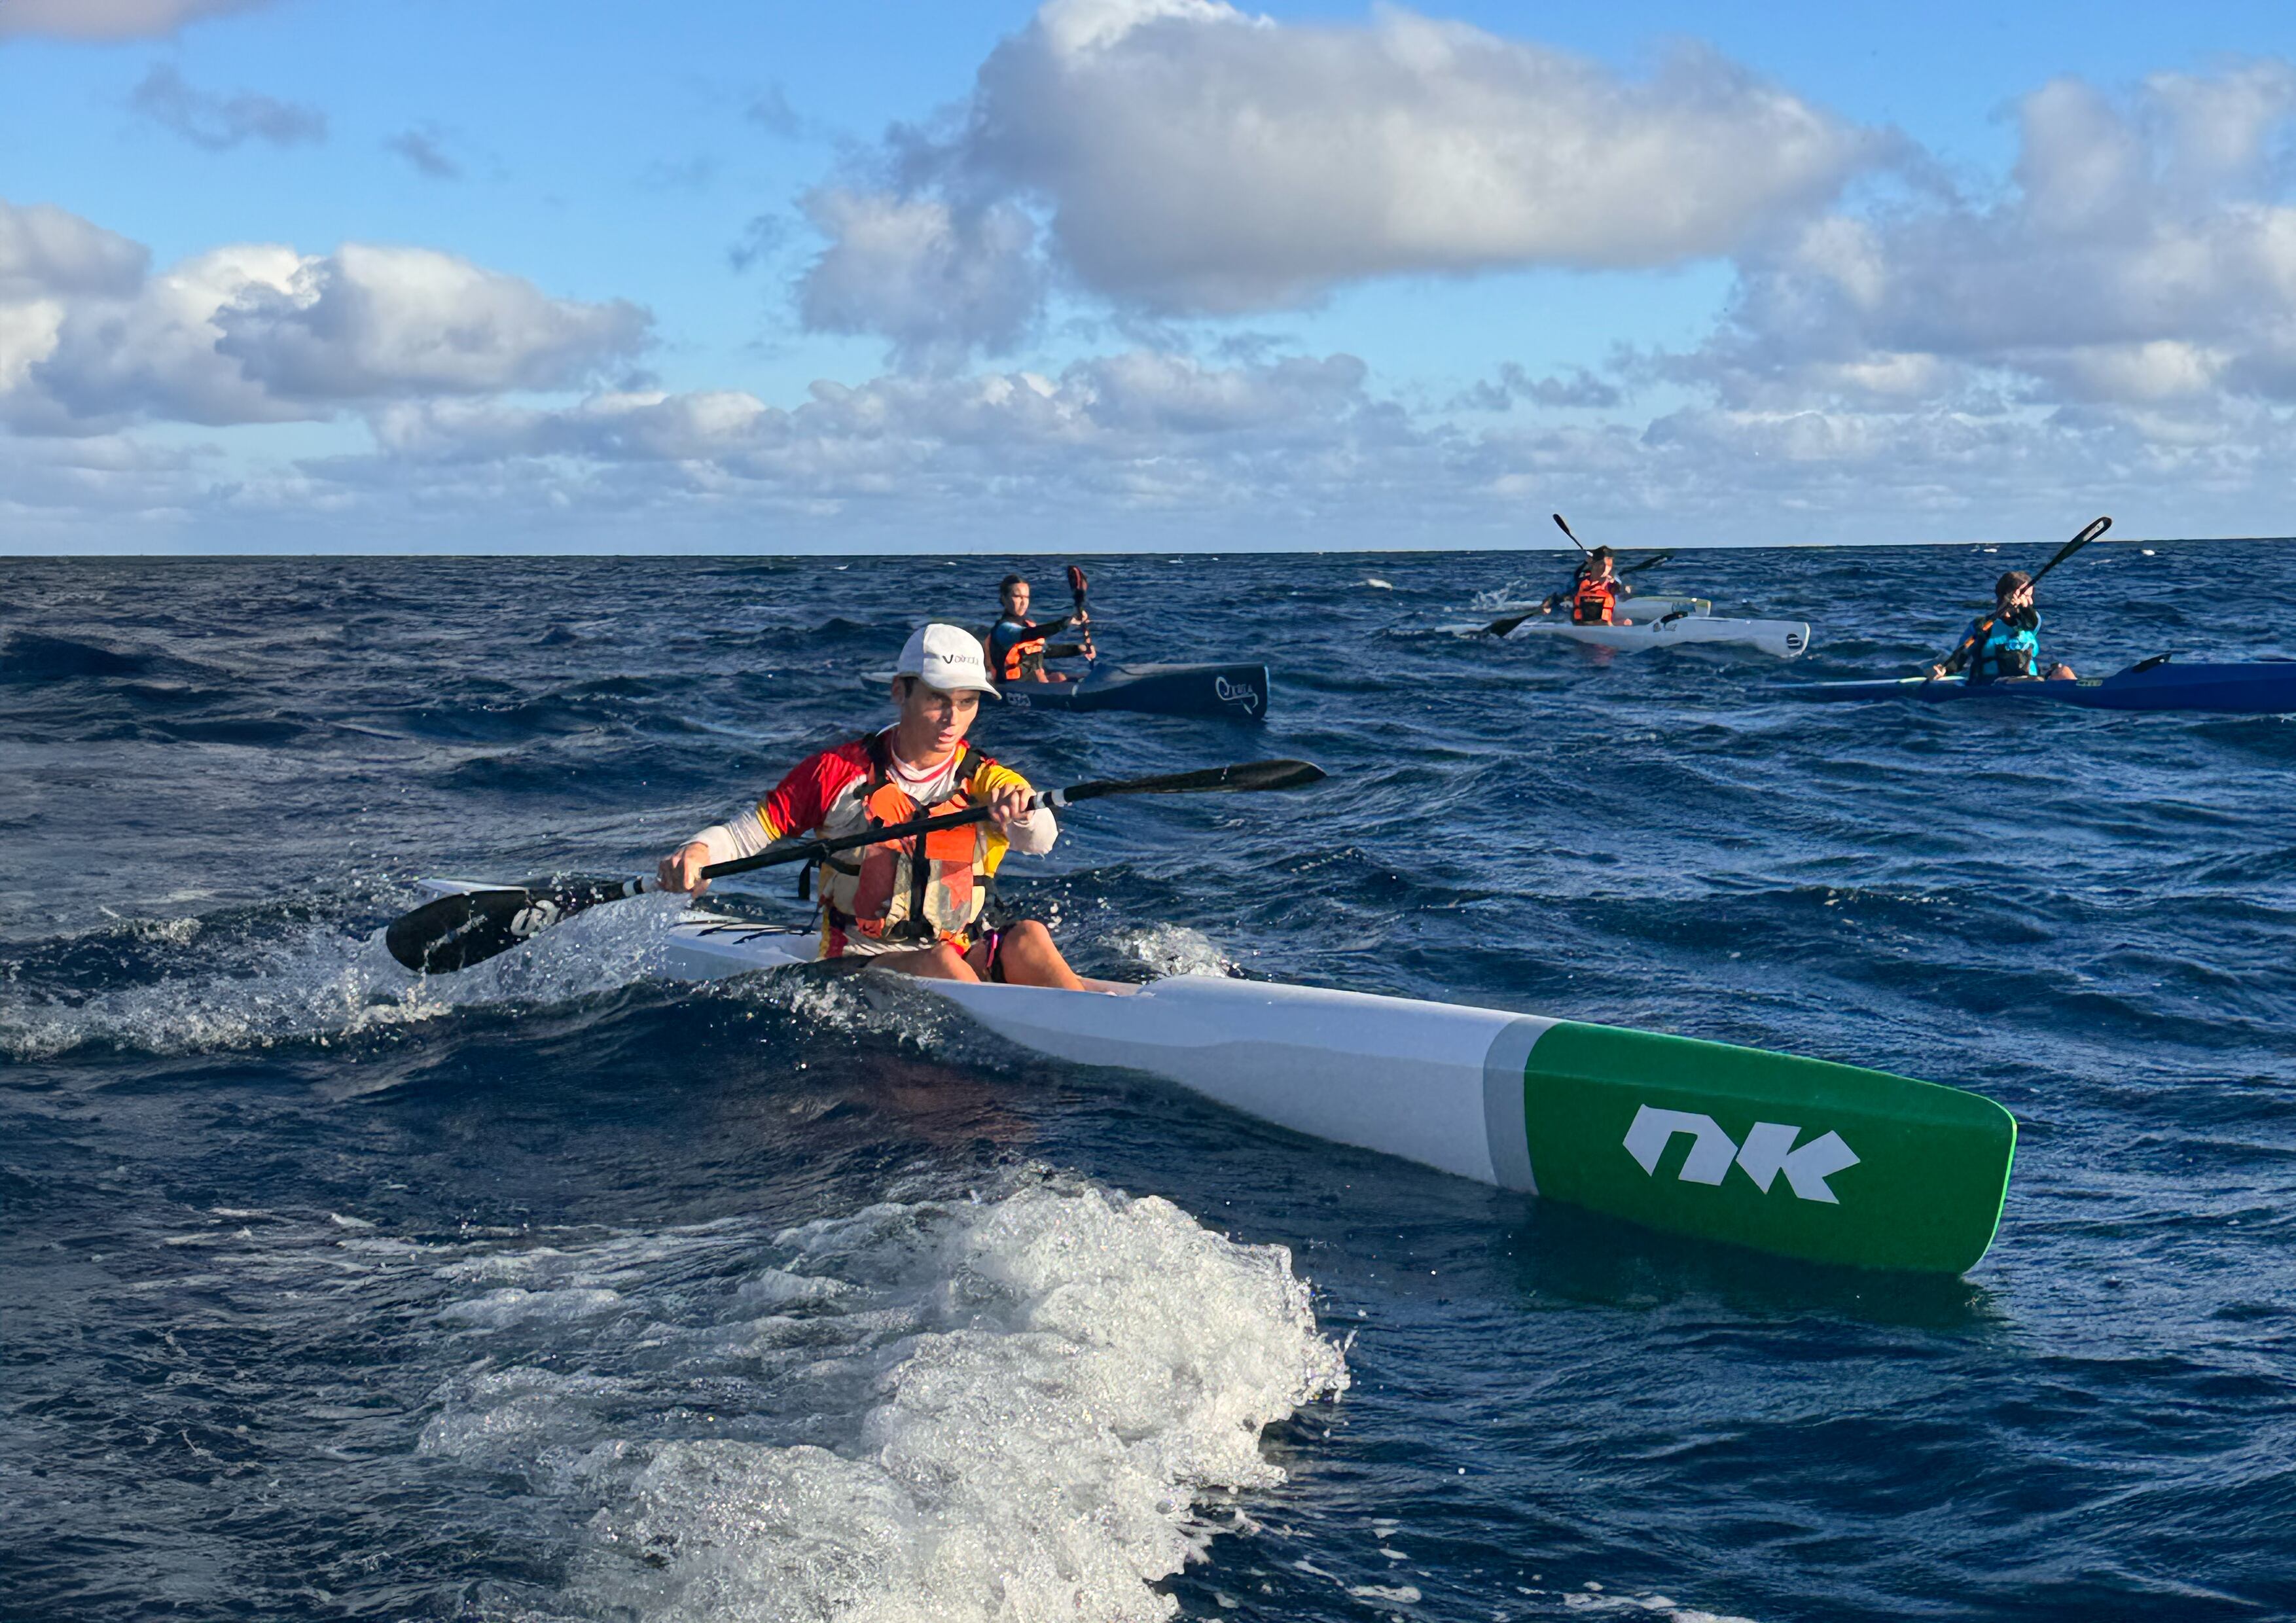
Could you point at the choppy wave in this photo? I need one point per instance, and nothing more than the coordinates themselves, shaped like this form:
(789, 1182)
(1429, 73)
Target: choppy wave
(1020, 1406)
(271, 979)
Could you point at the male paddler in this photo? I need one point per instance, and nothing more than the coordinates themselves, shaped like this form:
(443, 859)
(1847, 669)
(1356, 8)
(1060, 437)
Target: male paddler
(1595, 593)
(1018, 646)
(920, 912)
(2003, 646)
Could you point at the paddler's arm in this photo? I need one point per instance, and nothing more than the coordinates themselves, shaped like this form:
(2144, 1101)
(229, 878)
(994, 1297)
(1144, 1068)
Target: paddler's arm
(1961, 649)
(1030, 832)
(798, 801)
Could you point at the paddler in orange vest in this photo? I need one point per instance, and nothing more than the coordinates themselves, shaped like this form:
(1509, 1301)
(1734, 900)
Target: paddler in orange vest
(1017, 645)
(1594, 596)
(924, 912)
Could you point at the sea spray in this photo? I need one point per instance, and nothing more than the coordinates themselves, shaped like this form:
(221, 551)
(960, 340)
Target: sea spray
(1017, 1404)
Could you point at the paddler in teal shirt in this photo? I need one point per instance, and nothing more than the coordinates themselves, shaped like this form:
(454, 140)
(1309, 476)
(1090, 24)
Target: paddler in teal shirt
(2004, 645)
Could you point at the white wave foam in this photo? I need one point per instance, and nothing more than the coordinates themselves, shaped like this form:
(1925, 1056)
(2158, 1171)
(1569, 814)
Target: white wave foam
(953, 1411)
(1172, 949)
(512, 1306)
(318, 984)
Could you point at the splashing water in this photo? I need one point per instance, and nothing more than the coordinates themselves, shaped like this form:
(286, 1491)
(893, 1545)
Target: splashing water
(1020, 1403)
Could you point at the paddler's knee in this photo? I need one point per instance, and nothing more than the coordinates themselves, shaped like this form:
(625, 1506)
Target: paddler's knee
(949, 963)
(2062, 673)
(1027, 957)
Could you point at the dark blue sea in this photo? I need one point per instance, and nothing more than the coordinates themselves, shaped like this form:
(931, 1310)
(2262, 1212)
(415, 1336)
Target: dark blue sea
(553, 1290)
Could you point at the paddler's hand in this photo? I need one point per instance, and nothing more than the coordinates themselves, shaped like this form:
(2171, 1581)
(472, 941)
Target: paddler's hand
(1936, 671)
(1090, 652)
(681, 870)
(1007, 807)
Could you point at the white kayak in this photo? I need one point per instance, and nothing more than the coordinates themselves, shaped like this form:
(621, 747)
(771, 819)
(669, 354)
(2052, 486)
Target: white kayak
(1783, 639)
(1799, 1157)
(1640, 606)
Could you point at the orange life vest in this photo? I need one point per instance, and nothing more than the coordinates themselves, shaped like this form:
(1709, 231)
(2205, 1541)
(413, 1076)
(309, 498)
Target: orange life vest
(1595, 600)
(1020, 657)
(894, 892)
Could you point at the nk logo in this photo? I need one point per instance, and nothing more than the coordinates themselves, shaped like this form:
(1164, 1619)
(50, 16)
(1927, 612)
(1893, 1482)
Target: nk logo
(1768, 1151)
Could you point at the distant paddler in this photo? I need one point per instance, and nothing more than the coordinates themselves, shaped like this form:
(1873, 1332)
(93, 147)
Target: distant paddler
(1019, 646)
(2004, 645)
(1595, 593)
(919, 905)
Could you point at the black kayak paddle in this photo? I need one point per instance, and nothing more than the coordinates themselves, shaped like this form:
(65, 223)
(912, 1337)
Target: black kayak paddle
(456, 931)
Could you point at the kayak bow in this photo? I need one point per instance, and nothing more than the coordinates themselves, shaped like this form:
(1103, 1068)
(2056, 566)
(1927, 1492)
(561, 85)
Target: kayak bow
(1800, 1158)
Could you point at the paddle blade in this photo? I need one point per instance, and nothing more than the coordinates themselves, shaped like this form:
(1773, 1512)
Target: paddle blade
(455, 932)
(1506, 626)
(1249, 777)
(1647, 563)
(1562, 526)
(1077, 585)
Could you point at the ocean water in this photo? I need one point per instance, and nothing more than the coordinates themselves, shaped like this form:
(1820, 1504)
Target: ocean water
(554, 1291)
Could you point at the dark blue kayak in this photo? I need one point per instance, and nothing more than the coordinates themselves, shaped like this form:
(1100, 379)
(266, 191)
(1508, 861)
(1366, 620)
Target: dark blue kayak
(1239, 691)
(2263, 688)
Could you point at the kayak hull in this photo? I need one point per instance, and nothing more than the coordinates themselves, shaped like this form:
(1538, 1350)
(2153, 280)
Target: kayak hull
(1238, 692)
(1641, 606)
(2262, 688)
(1799, 1158)
(1780, 639)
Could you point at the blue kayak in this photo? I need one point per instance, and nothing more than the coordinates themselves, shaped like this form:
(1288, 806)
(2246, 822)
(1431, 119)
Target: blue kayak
(1239, 691)
(2262, 688)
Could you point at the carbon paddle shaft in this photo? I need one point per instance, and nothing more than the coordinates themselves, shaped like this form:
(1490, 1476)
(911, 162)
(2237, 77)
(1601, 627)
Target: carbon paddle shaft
(454, 933)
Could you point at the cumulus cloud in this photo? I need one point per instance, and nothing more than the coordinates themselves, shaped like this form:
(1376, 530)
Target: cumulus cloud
(110, 18)
(1153, 419)
(2143, 253)
(1579, 389)
(261, 334)
(936, 279)
(219, 123)
(46, 251)
(1186, 158)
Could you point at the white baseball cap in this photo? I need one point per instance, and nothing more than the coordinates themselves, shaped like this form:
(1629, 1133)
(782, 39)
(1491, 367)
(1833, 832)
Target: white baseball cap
(946, 657)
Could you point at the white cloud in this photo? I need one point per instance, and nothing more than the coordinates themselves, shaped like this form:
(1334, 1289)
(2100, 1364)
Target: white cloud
(261, 334)
(110, 18)
(45, 250)
(1189, 159)
(1145, 418)
(2143, 253)
(219, 123)
(371, 323)
(936, 280)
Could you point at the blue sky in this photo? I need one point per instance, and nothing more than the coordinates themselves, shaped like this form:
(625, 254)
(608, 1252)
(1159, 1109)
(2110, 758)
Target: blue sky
(1153, 273)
